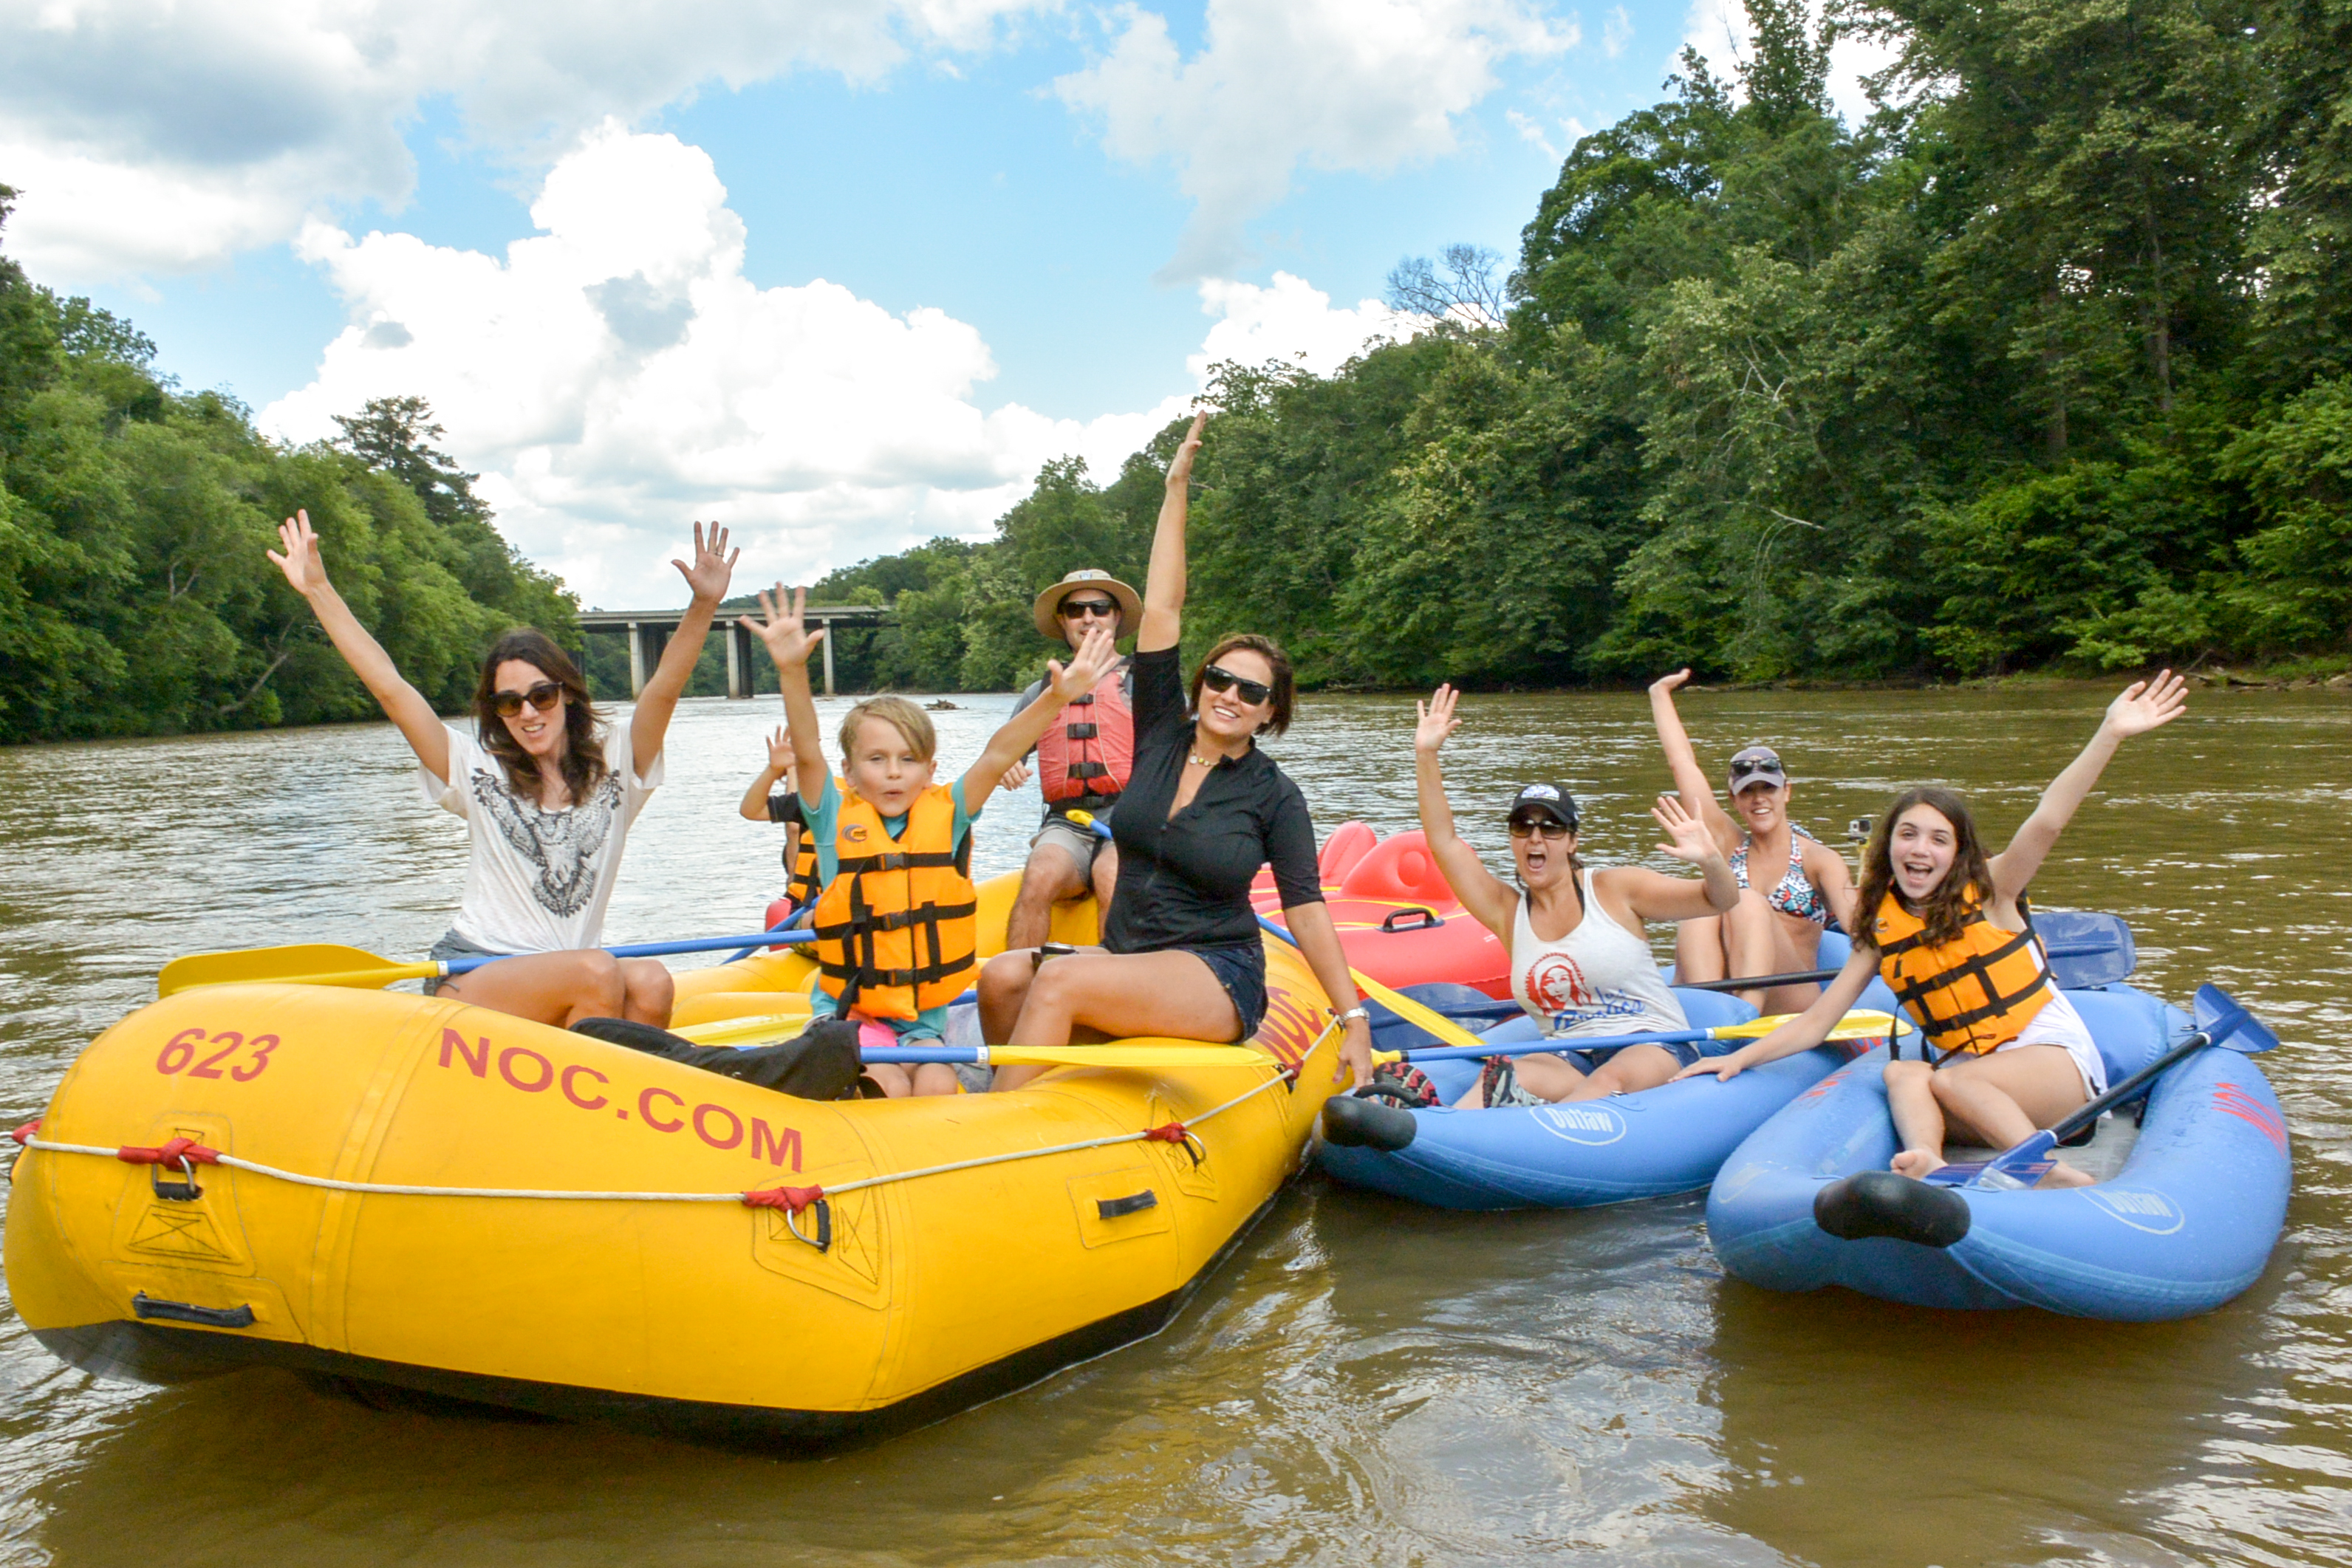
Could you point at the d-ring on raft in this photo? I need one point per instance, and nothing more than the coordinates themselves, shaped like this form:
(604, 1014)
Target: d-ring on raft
(412, 1192)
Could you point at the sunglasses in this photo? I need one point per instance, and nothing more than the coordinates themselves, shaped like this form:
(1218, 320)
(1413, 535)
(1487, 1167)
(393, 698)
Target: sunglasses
(1549, 827)
(1218, 679)
(542, 696)
(1078, 609)
(1749, 766)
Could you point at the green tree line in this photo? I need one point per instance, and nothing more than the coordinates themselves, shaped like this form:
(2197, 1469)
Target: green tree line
(2048, 362)
(135, 598)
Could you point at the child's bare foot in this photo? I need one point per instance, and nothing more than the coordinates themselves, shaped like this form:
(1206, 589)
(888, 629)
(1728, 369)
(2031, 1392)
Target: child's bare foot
(2064, 1174)
(1916, 1163)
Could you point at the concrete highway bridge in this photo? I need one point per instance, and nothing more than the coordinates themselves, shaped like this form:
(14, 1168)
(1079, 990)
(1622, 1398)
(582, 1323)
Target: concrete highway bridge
(649, 631)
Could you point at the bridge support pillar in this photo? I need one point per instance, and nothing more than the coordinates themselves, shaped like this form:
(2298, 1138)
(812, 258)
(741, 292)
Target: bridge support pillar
(638, 662)
(739, 659)
(828, 657)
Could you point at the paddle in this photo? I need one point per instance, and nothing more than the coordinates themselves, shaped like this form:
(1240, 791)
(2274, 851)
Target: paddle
(1121, 1053)
(1404, 1006)
(2087, 948)
(2220, 1021)
(1854, 1025)
(327, 963)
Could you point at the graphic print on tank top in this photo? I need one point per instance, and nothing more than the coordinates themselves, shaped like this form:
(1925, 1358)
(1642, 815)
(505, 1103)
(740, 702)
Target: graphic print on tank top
(1599, 978)
(563, 845)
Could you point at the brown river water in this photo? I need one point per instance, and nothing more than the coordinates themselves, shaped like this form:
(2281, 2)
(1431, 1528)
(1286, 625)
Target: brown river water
(1363, 1381)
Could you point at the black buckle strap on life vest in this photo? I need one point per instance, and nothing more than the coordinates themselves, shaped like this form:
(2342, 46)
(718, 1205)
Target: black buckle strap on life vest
(1087, 770)
(896, 860)
(1913, 992)
(1080, 701)
(1080, 731)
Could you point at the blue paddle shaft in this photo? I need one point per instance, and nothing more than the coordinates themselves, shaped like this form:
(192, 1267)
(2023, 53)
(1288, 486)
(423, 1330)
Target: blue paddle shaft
(652, 949)
(1562, 1043)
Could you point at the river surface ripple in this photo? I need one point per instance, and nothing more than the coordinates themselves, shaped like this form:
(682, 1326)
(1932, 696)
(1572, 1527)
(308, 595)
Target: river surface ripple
(1364, 1381)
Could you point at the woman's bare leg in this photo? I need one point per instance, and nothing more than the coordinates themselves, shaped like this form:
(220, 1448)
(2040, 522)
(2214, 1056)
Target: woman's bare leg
(1629, 1071)
(1536, 1070)
(1747, 932)
(558, 988)
(648, 991)
(896, 1080)
(1698, 950)
(1796, 946)
(1118, 995)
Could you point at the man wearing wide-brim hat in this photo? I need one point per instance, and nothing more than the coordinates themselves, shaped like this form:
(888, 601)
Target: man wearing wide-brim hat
(1082, 759)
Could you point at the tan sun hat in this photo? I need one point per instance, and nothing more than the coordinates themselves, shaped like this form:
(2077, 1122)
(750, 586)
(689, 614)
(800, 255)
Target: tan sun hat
(1131, 603)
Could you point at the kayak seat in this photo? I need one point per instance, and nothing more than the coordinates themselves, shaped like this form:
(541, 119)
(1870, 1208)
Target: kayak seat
(1400, 868)
(1349, 842)
(2132, 1028)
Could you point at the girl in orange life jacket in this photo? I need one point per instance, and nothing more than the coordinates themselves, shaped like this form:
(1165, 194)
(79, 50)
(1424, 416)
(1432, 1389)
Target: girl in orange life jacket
(761, 805)
(1940, 921)
(897, 927)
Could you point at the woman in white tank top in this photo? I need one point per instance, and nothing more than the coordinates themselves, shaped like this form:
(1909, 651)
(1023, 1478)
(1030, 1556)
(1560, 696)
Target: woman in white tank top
(1580, 964)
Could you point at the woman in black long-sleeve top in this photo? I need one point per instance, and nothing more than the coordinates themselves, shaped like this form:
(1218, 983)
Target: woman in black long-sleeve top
(1204, 808)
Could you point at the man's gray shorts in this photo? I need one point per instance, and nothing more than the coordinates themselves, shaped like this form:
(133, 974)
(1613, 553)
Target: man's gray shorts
(1081, 843)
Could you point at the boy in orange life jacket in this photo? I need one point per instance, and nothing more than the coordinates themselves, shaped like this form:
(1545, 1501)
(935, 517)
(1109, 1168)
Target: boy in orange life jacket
(1941, 922)
(1082, 760)
(898, 924)
(762, 805)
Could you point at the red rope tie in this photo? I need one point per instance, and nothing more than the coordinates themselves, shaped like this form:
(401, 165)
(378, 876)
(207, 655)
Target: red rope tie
(791, 1198)
(27, 1132)
(179, 1151)
(1173, 1132)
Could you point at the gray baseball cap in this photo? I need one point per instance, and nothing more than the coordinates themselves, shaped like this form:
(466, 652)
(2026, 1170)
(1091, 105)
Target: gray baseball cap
(1757, 765)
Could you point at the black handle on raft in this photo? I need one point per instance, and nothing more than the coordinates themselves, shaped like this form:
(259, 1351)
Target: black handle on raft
(1430, 920)
(1134, 1203)
(147, 1306)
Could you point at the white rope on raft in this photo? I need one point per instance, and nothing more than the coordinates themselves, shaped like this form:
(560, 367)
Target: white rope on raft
(30, 1140)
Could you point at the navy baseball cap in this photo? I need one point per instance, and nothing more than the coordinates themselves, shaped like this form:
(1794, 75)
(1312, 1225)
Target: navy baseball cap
(1551, 800)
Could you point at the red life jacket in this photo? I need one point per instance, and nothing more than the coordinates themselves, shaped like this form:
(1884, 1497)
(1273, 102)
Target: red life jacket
(1090, 748)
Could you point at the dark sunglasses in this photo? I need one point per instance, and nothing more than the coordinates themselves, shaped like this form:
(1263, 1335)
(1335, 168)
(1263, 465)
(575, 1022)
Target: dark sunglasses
(1073, 609)
(542, 696)
(1549, 827)
(1218, 679)
(1749, 766)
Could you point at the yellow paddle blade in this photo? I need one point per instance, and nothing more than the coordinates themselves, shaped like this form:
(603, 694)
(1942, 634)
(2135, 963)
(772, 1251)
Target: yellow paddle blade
(1412, 1012)
(312, 963)
(764, 1029)
(1854, 1025)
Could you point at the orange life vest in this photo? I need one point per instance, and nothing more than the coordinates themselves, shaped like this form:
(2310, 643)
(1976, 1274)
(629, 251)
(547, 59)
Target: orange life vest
(897, 928)
(1090, 749)
(1974, 993)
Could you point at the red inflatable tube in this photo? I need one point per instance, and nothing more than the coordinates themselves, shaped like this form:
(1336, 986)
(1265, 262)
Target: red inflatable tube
(1398, 920)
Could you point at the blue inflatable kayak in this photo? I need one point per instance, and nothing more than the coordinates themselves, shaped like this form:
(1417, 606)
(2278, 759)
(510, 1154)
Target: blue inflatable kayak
(1664, 1140)
(2190, 1202)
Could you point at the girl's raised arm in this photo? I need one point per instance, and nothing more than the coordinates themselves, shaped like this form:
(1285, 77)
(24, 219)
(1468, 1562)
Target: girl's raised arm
(1163, 587)
(1690, 780)
(306, 570)
(2144, 705)
(1489, 901)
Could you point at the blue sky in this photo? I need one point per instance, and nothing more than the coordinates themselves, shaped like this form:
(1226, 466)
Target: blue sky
(1086, 200)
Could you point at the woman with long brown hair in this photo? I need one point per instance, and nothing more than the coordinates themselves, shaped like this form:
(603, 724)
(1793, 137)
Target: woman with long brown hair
(1940, 921)
(1204, 808)
(547, 792)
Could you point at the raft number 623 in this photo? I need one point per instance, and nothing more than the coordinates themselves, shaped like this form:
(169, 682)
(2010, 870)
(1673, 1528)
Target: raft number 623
(180, 1051)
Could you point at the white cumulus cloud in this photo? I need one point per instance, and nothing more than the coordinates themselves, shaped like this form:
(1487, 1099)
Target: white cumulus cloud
(151, 137)
(1720, 31)
(1361, 85)
(614, 376)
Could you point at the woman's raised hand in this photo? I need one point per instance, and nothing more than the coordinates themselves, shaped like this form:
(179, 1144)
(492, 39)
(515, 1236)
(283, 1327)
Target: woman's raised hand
(713, 565)
(1688, 838)
(302, 563)
(1180, 468)
(2147, 705)
(1437, 720)
(1666, 684)
(789, 642)
(780, 750)
(1096, 652)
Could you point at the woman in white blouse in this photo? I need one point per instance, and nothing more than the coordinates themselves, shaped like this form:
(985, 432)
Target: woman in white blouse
(547, 793)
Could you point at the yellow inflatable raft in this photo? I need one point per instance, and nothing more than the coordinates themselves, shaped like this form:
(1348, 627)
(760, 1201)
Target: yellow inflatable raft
(378, 1186)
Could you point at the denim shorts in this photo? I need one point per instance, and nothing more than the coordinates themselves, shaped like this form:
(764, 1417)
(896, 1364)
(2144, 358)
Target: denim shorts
(1685, 1054)
(452, 946)
(1240, 968)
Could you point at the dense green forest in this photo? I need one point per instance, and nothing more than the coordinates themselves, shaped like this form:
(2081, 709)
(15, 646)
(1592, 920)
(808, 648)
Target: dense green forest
(2047, 364)
(134, 595)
